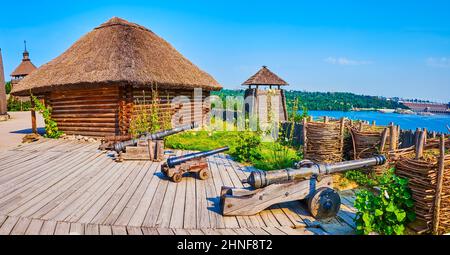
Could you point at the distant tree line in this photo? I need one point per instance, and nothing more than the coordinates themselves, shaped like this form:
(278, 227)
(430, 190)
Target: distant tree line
(327, 101)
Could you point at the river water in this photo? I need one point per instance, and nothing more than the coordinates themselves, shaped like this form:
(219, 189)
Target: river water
(436, 122)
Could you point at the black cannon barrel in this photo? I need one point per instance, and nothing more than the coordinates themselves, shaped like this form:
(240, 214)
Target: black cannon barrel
(118, 147)
(173, 161)
(259, 179)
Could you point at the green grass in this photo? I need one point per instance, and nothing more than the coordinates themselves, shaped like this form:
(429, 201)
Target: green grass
(273, 155)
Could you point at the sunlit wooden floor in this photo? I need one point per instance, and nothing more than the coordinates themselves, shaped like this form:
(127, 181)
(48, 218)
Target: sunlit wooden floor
(62, 187)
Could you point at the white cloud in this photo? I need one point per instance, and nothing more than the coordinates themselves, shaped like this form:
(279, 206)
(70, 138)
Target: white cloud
(438, 62)
(346, 62)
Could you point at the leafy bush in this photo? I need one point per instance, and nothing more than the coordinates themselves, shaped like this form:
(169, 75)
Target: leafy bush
(14, 104)
(361, 178)
(248, 148)
(388, 211)
(51, 128)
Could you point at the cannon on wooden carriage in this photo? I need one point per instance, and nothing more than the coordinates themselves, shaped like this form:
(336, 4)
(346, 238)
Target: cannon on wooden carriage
(175, 167)
(149, 146)
(305, 181)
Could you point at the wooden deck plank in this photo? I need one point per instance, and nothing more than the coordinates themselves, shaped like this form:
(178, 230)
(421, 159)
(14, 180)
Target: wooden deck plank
(91, 229)
(149, 231)
(180, 231)
(177, 216)
(202, 214)
(53, 202)
(38, 173)
(91, 209)
(134, 231)
(155, 206)
(35, 227)
(76, 229)
(37, 187)
(142, 178)
(165, 213)
(119, 230)
(105, 230)
(258, 231)
(21, 226)
(8, 225)
(229, 221)
(139, 214)
(165, 231)
(48, 228)
(190, 208)
(62, 228)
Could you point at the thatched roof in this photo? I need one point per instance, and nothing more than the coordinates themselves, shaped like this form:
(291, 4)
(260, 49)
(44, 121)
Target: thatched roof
(25, 67)
(118, 52)
(265, 77)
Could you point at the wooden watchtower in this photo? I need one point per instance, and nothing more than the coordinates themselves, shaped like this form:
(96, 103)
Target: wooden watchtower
(266, 84)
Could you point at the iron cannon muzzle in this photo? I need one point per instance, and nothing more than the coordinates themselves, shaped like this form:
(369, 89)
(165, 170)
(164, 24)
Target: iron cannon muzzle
(173, 161)
(118, 147)
(304, 170)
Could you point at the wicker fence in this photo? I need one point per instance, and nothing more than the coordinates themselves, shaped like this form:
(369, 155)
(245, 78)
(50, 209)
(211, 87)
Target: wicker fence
(428, 170)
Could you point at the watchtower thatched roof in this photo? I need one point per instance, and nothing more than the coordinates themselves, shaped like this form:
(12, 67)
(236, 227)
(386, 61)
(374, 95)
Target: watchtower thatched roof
(118, 52)
(265, 77)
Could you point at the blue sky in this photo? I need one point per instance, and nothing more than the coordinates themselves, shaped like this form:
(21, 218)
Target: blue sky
(386, 48)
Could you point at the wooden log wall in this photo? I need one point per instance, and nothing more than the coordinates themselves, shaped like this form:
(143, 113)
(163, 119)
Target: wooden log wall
(184, 111)
(89, 112)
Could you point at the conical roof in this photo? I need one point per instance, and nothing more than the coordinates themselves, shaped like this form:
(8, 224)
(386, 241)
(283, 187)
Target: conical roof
(265, 77)
(118, 52)
(25, 67)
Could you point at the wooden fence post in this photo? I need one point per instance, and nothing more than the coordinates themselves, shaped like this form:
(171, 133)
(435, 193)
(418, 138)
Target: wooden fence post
(373, 123)
(420, 145)
(325, 119)
(33, 116)
(392, 135)
(440, 179)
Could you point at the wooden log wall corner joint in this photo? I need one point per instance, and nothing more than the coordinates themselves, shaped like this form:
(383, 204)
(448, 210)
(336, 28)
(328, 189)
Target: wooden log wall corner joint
(440, 178)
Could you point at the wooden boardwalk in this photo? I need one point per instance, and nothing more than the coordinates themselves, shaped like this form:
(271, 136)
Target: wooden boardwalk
(62, 187)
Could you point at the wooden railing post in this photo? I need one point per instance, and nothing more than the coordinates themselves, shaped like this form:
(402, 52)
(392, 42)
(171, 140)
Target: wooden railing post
(33, 117)
(440, 180)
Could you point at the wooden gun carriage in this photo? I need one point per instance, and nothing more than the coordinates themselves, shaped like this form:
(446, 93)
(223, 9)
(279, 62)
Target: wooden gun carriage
(306, 181)
(148, 146)
(175, 167)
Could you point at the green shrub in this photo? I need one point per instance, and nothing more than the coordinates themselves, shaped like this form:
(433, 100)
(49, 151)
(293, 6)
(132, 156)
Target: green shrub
(276, 156)
(388, 211)
(15, 104)
(361, 178)
(248, 148)
(51, 128)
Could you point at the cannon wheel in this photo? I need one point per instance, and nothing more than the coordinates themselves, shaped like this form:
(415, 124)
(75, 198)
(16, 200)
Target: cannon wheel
(324, 203)
(176, 177)
(203, 174)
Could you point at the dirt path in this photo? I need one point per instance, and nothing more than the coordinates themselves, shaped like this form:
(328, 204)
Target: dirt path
(12, 131)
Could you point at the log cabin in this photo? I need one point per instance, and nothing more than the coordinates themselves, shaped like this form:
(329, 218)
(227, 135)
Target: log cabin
(95, 87)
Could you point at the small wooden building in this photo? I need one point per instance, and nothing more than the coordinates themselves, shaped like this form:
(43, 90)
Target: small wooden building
(95, 86)
(265, 78)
